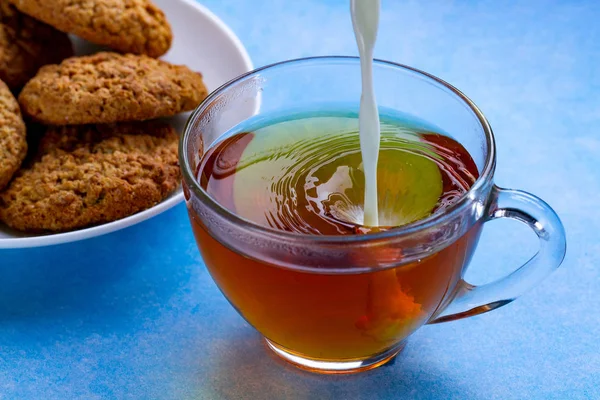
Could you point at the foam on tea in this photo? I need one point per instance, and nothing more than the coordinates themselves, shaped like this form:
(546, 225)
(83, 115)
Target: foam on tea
(304, 173)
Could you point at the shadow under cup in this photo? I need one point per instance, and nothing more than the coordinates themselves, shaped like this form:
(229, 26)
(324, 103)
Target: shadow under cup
(347, 303)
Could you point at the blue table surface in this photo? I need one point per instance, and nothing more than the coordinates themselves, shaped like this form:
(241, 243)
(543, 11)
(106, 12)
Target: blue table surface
(134, 314)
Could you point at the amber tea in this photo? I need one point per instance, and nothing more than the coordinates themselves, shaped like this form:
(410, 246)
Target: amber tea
(303, 173)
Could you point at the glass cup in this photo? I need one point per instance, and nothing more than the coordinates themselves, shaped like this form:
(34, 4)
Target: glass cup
(337, 304)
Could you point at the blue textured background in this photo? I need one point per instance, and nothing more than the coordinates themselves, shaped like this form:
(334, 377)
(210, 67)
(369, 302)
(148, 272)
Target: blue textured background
(147, 322)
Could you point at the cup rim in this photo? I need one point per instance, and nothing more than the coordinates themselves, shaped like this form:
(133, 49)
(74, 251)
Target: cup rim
(394, 233)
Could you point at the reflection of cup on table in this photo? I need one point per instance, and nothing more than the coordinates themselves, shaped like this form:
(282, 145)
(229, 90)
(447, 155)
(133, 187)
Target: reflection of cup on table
(347, 302)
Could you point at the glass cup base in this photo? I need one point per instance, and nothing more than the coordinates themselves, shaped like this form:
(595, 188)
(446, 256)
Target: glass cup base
(333, 366)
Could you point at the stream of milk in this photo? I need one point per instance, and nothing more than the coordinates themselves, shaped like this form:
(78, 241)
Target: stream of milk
(365, 20)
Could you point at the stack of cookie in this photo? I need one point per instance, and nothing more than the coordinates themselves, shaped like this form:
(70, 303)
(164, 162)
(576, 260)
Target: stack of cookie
(102, 155)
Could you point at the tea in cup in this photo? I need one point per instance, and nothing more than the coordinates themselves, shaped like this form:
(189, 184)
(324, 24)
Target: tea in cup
(274, 185)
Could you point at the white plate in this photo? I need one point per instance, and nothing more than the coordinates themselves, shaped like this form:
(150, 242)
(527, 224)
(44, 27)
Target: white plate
(202, 42)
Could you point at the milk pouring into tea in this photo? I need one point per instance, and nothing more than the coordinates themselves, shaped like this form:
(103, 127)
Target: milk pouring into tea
(365, 20)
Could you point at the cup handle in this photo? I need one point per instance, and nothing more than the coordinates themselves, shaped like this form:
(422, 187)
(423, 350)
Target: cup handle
(472, 300)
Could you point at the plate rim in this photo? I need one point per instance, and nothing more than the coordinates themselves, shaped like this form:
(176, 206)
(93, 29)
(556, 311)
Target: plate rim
(163, 206)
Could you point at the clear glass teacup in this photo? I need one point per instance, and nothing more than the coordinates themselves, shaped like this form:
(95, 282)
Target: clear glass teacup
(336, 304)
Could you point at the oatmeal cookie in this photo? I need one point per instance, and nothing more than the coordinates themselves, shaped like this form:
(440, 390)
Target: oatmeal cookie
(26, 44)
(128, 26)
(13, 143)
(92, 174)
(110, 87)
